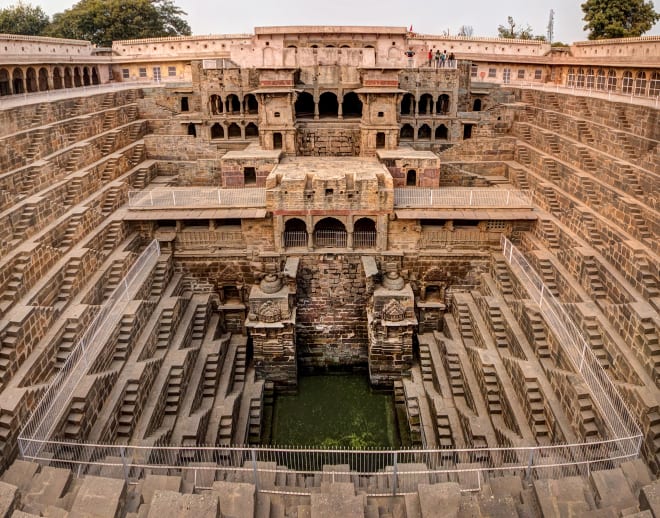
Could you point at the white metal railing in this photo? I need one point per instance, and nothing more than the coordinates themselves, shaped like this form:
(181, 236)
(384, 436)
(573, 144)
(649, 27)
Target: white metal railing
(460, 197)
(196, 197)
(330, 238)
(296, 239)
(364, 239)
(614, 411)
(43, 420)
(601, 93)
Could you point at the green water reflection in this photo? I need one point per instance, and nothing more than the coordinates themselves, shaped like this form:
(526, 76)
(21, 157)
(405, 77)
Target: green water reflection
(335, 411)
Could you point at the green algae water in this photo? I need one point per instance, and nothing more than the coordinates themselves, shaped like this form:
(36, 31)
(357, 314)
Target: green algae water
(336, 411)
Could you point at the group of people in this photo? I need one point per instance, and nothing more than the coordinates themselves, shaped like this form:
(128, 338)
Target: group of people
(441, 59)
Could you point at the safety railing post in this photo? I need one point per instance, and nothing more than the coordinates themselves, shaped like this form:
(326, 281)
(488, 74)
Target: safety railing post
(255, 471)
(395, 473)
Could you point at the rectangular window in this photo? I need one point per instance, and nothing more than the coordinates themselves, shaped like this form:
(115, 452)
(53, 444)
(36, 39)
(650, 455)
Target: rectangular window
(474, 69)
(538, 74)
(171, 71)
(492, 72)
(143, 72)
(125, 73)
(521, 73)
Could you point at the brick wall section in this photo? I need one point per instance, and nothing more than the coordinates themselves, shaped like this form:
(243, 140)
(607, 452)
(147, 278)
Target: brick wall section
(323, 141)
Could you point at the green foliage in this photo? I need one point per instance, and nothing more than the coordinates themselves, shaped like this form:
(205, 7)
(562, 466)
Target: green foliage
(511, 31)
(105, 21)
(23, 18)
(618, 18)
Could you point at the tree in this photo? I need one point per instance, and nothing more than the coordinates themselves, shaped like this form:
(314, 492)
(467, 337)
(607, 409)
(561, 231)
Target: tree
(467, 31)
(23, 18)
(618, 18)
(509, 31)
(104, 21)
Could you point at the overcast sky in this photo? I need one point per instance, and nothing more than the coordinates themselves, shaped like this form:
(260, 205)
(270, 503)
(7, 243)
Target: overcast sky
(234, 16)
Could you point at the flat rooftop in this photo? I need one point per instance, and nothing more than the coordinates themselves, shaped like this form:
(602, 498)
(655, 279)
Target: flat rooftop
(329, 168)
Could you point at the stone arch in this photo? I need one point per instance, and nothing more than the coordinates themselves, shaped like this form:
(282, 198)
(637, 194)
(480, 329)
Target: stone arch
(77, 80)
(57, 79)
(217, 131)
(330, 232)
(611, 80)
(591, 76)
(476, 106)
(579, 82)
(627, 82)
(68, 79)
(424, 132)
(304, 106)
(442, 105)
(295, 233)
(18, 81)
(570, 79)
(393, 53)
(364, 233)
(232, 104)
(640, 83)
(654, 84)
(234, 131)
(408, 104)
(86, 79)
(426, 104)
(216, 104)
(328, 105)
(43, 79)
(5, 82)
(407, 132)
(351, 105)
(441, 132)
(95, 76)
(251, 130)
(31, 80)
(250, 104)
(600, 79)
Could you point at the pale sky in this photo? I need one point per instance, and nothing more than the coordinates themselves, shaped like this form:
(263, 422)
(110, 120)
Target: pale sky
(233, 16)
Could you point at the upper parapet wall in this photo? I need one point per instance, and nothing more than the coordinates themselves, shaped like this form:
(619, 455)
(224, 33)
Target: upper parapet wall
(328, 29)
(19, 45)
(644, 47)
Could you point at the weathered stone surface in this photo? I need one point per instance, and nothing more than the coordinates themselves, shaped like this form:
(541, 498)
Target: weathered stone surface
(168, 504)
(235, 499)
(442, 498)
(103, 497)
(9, 499)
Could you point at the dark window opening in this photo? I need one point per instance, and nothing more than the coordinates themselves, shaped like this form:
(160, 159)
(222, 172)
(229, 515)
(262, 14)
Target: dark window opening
(408, 105)
(251, 104)
(471, 223)
(467, 131)
(234, 131)
(232, 103)
(217, 131)
(476, 106)
(277, 140)
(305, 106)
(192, 131)
(184, 104)
(411, 178)
(329, 192)
(380, 140)
(441, 132)
(442, 105)
(352, 106)
(249, 176)
(424, 132)
(328, 105)
(426, 104)
(251, 130)
(407, 132)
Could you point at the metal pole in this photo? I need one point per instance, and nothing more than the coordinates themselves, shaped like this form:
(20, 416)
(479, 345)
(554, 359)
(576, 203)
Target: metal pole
(253, 454)
(395, 474)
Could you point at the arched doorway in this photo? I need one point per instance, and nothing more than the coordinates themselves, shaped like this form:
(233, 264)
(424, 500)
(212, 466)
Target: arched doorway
(251, 130)
(426, 104)
(411, 178)
(249, 176)
(17, 81)
(407, 132)
(443, 104)
(192, 130)
(627, 82)
(476, 106)
(304, 106)
(364, 233)
(215, 103)
(31, 80)
(295, 234)
(424, 132)
(351, 107)
(640, 83)
(277, 140)
(86, 79)
(217, 131)
(579, 83)
(5, 83)
(77, 81)
(611, 80)
(57, 79)
(408, 105)
(600, 79)
(330, 232)
(95, 76)
(250, 104)
(68, 81)
(234, 131)
(328, 105)
(43, 79)
(232, 104)
(441, 132)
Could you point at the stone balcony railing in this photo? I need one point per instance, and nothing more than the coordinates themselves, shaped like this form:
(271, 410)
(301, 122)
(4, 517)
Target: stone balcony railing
(458, 197)
(196, 197)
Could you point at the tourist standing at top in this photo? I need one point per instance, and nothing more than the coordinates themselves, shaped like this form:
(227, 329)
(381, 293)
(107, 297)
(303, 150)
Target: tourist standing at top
(437, 58)
(452, 60)
(443, 58)
(430, 56)
(410, 54)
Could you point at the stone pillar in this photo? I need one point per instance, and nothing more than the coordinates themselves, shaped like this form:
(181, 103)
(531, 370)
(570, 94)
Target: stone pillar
(316, 109)
(391, 323)
(271, 324)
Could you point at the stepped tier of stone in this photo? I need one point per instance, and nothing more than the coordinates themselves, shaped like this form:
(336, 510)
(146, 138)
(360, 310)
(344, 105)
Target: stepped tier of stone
(28, 489)
(230, 309)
